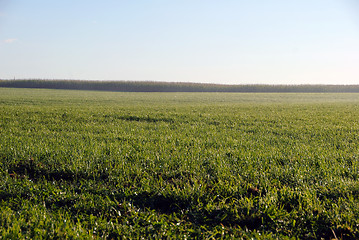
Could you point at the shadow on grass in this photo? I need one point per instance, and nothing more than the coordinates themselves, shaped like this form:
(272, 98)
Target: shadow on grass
(142, 118)
(35, 170)
(160, 203)
(195, 214)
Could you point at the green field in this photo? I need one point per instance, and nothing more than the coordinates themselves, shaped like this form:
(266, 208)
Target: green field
(87, 165)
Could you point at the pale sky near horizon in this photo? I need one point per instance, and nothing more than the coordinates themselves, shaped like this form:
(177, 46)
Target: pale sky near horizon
(229, 41)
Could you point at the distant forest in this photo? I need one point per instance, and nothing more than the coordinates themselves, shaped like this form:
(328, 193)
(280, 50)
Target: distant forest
(151, 86)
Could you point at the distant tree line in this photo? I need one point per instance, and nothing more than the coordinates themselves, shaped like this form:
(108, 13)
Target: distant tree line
(151, 86)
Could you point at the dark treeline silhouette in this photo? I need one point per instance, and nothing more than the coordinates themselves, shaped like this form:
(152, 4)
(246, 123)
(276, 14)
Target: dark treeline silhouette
(151, 86)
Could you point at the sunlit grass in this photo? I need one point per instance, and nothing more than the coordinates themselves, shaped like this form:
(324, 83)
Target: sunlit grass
(178, 165)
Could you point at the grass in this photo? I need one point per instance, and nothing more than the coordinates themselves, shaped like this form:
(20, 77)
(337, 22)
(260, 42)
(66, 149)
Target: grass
(88, 165)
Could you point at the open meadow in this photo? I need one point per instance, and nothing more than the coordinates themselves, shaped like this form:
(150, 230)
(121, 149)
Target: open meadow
(88, 165)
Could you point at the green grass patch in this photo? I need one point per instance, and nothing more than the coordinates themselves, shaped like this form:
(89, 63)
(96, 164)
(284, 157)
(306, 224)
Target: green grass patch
(88, 165)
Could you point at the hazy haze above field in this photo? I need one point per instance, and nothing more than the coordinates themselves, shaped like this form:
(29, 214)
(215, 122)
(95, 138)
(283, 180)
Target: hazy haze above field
(231, 41)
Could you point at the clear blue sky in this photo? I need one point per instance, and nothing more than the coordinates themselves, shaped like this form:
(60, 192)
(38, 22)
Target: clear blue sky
(229, 41)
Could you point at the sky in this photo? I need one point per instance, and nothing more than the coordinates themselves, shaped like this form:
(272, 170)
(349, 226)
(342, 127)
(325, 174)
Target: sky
(212, 41)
